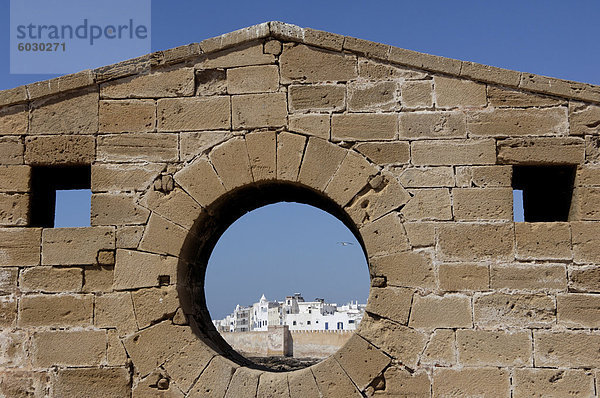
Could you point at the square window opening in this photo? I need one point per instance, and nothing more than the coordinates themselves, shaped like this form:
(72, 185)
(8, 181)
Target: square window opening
(542, 193)
(61, 196)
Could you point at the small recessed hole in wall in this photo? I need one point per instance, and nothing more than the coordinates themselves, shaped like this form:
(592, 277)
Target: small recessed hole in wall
(542, 193)
(61, 196)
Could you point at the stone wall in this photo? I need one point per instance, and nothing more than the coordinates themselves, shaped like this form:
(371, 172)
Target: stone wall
(413, 152)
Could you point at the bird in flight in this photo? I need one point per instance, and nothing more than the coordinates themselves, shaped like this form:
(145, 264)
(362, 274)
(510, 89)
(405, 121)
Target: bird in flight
(345, 243)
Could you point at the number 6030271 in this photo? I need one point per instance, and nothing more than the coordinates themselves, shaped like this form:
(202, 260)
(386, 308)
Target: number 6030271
(41, 46)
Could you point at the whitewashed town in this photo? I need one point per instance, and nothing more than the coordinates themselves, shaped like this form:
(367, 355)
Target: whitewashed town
(295, 312)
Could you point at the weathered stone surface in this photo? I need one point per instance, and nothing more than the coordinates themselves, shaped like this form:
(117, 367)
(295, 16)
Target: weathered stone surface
(49, 310)
(484, 176)
(528, 277)
(463, 276)
(302, 384)
(129, 236)
(143, 147)
(584, 278)
(244, 383)
(373, 96)
(170, 83)
(449, 311)
(151, 347)
(123, 177)
(441, 348)
(385, 236)
(68, 348)
(242, 55)
(354, 173)
(20, 246)
(428, 204)
(8, 312)
(300, 63)
(310, 124)
(468, 382)
(333, 381)
(196, 143)
(399, 382)
(475, 242)
(473, 204)
(147, 387)
(584, 204)
(540, 383)
(518, 122)
(262, 151)
(584, 118)
(381, 299)
(259, 110)
(115, 310)
(14, 120)
(543, 150)
(322, 97)
(127, 116)
(107, 382)
(188, 364)
(383, 195)
(587, 175)
(15, 178)
(543, 241)
(199, 113)
(453, 152)
(201, 181)
(406, 269)
(385, 152)
(427, 177)
(273, 385)
(63, 149)
(372, 361)
(72, 114)
(451, 93)
(320, 162)
(98, 278)
(135, 269)
(489, 348)
(574, 349)
(9, 277)
(253, 79)
(500, 97)
(51, 279)
(11, 150)
(586, 244)
(211, 82)
(231, 163)
(376, 70)
(578, 310)
(14, 209)
(417, 94)
(364, 127)
(75, 246)
(23, 383)
(117, 209)
(417, 125)
(154, 304)
(518, 310)
(176, 206)
(214, 380)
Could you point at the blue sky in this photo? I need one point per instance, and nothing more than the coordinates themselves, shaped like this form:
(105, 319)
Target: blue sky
(553, 38)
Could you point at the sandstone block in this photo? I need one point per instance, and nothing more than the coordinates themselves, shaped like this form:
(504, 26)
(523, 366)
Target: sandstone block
(417, 94)
(400, 382)
(587, 175)
(378, 200)
(428, 204)
(75, 246)
(143, 147)
(20, 246)
(253, 79)
(481, 382)
(176, 206)
(529, 277)
(406, 269)
(440, 348)
(115, 310)
(490, 348)
(424, 61)
(417, 125)
(244, 383)
(232, 163)
(98, 278)
(427, 177)
(543, 150)
(60, 84)
(45, 310)
(188, 364)
(540, 383)
(364, 127)
(201, 181)
(200, 113)
(372, 362)
(68, 348)
(475, 242)
(11, 150)
(584, 278)
(452, 93)
(500, 97)
(14, 209)
(272, 47)
(302, 384)
(333, 381)
(63, 149)
(211, 82)
(51, 280)
(135, 269)
(117, 209)
(13, 95)
(484, 176)
(14, 120)
(584, 204)
(273, 385)
(107, 382)
(592, 149)
(168, 83)
(123, 177)
(23, 383)
(385, 235)
(420, 234)
(543, 241)
(259, 110)
(584, 118)
(574, 349)
(8, 312)
(129, 236)
(155, 304)
(376, 70)
(354, 173)
(518, 122)
(518, 310)
(15, 178)
(453, 153)
(463, 276)
(151, 347)
(196, 143)
(147, 387)
(240, 55)
(578, 310)
(300, 63)
(390, 302)
(586, 244)
(72, 114)
(385, 152)
(262, 151)
(214, 380)
(449, 311)
(475, 204)
(8, 280)
(115, 352)
(310, 124)
(321, 161)
(127, 116)
(290, 150)
(373, 96)
(328, 97)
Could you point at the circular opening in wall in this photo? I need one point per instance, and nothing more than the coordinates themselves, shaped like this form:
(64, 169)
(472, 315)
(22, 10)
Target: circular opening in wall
(281, 280)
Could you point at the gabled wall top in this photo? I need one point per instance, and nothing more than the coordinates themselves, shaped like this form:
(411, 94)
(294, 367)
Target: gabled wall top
(317, 38)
